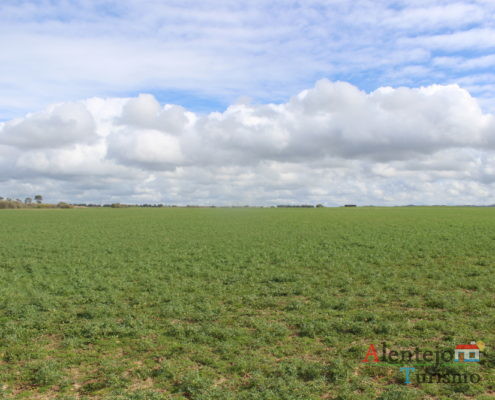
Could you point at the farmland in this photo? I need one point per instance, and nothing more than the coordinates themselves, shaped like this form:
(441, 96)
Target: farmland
(179, 303)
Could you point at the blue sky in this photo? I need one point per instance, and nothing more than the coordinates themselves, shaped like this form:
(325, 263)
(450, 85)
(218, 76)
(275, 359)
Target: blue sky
(260, 102)
(207, 54)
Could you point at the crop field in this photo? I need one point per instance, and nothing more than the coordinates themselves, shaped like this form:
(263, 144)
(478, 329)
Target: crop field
(184, 303)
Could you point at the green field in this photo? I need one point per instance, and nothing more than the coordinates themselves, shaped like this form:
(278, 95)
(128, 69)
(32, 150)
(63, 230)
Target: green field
(180, 303)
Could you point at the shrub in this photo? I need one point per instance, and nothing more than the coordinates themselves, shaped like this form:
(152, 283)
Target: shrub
(11, 204)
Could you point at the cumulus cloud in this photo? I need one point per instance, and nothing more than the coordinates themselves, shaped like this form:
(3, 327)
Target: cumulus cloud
(145, 111)
(58, 126)
(145, 148)
(332, 143)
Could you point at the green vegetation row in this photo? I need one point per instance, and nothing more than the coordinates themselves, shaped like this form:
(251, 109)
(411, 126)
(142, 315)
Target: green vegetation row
(185, 303)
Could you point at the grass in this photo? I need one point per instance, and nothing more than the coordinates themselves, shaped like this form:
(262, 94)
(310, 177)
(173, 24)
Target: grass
(241, 303)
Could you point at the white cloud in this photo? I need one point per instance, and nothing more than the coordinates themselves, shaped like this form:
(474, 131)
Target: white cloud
(476, 38)
(58, 126)
(217, 50)
(329, 144)
(145, 111)
(434, 17)
(145, 148)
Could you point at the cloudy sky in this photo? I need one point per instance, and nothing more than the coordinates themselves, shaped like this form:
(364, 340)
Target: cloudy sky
(262, 102)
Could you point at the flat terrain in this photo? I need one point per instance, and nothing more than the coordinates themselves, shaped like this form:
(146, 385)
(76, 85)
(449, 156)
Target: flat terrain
(241, 303)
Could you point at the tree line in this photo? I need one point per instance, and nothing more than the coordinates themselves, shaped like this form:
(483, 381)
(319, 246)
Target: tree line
(30, 202)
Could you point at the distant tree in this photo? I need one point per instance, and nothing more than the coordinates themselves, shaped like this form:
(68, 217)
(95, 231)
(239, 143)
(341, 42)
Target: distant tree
(28, 200)
(38, 198)
(1, 198)
(320, 205)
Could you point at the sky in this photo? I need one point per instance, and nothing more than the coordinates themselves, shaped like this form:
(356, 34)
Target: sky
(263, 102)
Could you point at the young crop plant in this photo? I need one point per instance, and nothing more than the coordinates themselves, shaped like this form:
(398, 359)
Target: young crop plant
(186, 303)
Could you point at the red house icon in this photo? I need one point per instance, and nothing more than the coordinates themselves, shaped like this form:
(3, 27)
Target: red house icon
(467, 353)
